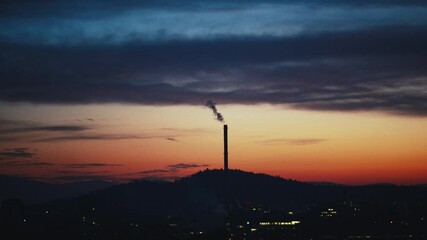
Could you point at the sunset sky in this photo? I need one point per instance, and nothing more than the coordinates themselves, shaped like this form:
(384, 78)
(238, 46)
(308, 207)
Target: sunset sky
(318, 91)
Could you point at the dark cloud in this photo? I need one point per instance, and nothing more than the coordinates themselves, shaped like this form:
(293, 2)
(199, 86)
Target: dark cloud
(81, 8)
(155, 171)
(21, 157)
(95, 136)
(25, 157)
(186, 165)
(5, 122)
(171, 139)
(299, 142)
(34, 131)
(16, 153)
(174, 168)
(171, 172)
(40, 164)
(90, 165)
(79, 172)
(335, 71)
(344, 58)
(52, 128)
(31, 163)
(63, 128)
(26, 130)
(38, 132)
(86, 119)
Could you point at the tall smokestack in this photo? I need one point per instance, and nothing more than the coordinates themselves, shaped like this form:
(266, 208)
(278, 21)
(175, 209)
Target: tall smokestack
(226, 149)
(218, 116)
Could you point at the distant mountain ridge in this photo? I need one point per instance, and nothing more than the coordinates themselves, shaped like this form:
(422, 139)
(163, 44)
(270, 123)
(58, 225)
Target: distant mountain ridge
(33, 192)
(240, 186)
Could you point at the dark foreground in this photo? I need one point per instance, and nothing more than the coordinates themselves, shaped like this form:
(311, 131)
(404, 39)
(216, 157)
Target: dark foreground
(207, 206)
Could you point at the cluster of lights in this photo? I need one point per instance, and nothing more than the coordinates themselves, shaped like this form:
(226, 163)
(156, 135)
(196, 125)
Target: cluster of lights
(330, 213)
(279, 223)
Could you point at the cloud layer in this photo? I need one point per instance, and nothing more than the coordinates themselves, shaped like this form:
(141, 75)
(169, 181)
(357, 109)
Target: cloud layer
(11, 130)
(16, 153)
(165, 174)
(328, 55)
(23, 157)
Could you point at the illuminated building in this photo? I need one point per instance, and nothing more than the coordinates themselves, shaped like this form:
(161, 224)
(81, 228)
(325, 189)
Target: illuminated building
(328, 213)
(285, 223)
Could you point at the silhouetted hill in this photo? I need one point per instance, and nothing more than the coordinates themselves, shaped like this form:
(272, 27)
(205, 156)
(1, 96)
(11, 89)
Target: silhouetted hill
(246, 187)
(203, 195)
(32, 192)
(206, 192)
(325, 184)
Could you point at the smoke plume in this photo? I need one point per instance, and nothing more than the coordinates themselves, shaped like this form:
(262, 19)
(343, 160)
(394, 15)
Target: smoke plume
(218, 115)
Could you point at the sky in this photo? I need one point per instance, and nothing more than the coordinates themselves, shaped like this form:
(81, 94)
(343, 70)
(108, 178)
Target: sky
(323, 91)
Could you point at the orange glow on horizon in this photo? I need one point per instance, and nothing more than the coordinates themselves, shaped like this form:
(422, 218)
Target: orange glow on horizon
(351, 148)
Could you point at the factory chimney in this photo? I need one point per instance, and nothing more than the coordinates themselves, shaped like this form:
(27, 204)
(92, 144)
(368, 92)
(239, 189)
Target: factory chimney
(226, 149)
(218, 116)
